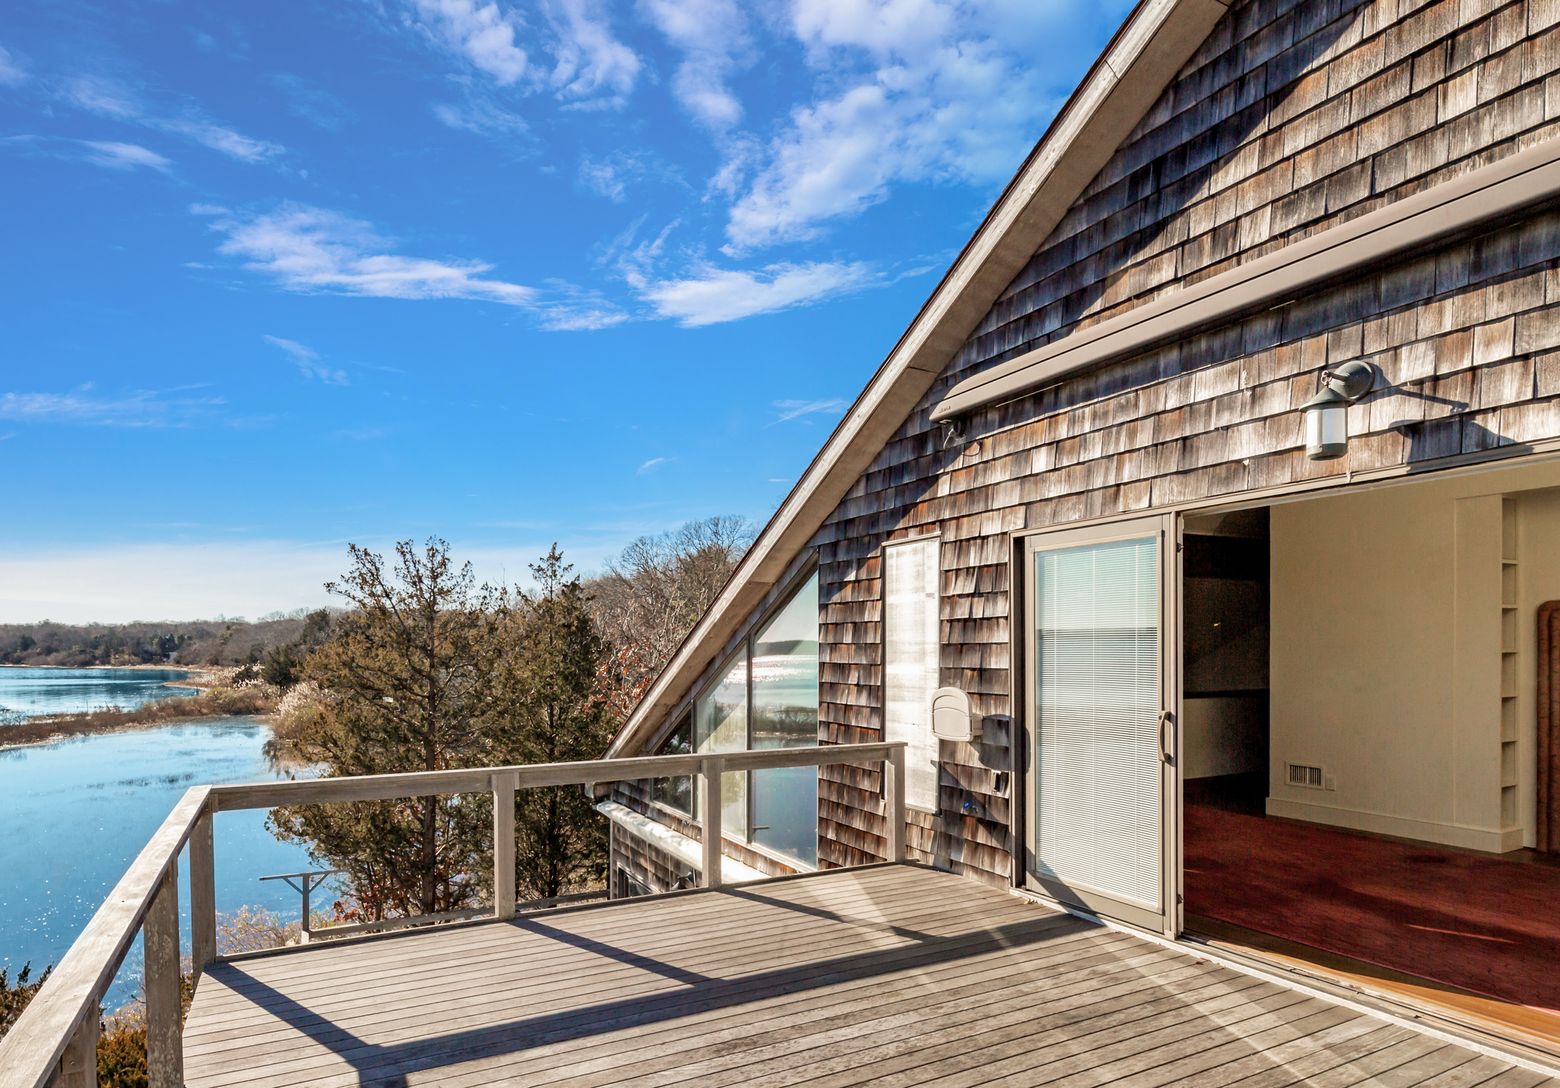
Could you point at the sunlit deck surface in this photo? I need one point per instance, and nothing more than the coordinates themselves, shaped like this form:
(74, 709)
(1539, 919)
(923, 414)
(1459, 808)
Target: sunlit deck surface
(889, 975)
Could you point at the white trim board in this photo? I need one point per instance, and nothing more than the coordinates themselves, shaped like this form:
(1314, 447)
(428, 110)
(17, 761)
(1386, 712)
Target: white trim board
(1489, 840)
(675, 843)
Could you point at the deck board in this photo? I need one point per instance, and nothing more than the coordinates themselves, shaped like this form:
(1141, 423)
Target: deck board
(893, 975)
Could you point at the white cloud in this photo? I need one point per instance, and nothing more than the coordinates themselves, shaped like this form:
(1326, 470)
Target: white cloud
(118, 156)
(590, 65)
(109, 99)
(109, 154)
(576, 55)
(11, 72)
(307, 360)
(713, 295)
(791, 410)
(585, 313)
(484, 33)
(84, 406)
(912, 91)
(606, 178)
(235, 145)
(886, 28)
(612, 176)
(713, 38)
(651, 465)
(313, 250)
(481, 117)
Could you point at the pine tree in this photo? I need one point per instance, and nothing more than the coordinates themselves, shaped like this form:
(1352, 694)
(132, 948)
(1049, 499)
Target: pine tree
(409, 674)
(549, 686)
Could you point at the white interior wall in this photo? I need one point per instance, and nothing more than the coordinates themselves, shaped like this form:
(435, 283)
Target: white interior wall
(1386, 652)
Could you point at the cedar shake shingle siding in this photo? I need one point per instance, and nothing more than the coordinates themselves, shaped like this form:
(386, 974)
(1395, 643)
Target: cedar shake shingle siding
(1291, 118)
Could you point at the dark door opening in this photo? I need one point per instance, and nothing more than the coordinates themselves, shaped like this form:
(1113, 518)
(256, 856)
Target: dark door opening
(1331, 699)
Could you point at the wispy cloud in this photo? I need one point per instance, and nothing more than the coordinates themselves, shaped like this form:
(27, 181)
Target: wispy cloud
(792, 410)
(310, 102)
(712, 36)
(576, 55)
(309, 249)
(615, 175)
(307, 360)
(107, 98)
(109, 154)
(713, 295)
(11, 71)
(482, 117)
(651, 465)
(566, 308)
(119, 156)
(84, 406)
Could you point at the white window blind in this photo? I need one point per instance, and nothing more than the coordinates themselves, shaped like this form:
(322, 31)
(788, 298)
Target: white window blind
(1098, 700)
(911, 660)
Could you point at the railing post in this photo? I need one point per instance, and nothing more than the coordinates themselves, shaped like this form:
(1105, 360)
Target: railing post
(709, 818)
(78, 1068)
(164, 1030)
(203, 897)
(504, 844)
(894, 794)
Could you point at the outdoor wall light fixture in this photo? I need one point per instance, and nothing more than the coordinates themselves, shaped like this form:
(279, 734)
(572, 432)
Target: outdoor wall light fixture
(1327, 413)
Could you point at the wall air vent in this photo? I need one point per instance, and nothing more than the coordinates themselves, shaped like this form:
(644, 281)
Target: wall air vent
(1303, 774)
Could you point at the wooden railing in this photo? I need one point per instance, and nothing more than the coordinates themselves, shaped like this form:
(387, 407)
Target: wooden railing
(54, 1043)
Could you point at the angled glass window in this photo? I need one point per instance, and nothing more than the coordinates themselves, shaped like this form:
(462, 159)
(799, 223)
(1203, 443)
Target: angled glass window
(720, 725)
(676, 792)
(785, 715)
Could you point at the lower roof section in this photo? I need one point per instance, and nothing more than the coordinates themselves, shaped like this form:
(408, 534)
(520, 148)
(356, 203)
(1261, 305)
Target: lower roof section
(669, 841)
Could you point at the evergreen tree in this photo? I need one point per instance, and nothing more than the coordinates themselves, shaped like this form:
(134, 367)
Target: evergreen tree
(549, 686)
(409, 673)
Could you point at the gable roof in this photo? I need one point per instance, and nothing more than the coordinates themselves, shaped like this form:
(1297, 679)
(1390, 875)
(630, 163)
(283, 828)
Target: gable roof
(1145, 54)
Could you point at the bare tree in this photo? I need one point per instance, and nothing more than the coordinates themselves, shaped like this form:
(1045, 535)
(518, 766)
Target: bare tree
(652, 595)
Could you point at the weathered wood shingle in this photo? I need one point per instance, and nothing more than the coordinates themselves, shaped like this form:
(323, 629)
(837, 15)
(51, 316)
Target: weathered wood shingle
(1291, 118)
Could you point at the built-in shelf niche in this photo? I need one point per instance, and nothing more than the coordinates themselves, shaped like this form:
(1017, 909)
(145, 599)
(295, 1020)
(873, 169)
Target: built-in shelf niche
(1508, 662)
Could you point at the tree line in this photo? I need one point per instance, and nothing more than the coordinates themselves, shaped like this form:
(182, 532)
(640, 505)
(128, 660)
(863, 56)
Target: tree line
(194, 642)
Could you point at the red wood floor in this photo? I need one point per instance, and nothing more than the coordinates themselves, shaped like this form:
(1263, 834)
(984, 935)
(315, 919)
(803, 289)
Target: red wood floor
(1473, 921)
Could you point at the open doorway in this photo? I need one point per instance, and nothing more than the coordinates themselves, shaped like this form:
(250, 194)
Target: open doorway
(1364, 776)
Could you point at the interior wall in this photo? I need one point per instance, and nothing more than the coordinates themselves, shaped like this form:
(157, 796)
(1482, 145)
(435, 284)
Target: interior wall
(1385, 653)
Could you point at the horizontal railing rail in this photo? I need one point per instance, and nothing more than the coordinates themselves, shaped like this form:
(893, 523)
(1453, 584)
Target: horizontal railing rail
(54, 1042)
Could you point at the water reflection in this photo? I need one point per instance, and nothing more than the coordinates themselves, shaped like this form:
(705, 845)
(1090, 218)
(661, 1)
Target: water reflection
(75, 813)
(37, 693)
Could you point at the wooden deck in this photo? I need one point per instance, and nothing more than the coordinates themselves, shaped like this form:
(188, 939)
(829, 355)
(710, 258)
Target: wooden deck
(892, 975)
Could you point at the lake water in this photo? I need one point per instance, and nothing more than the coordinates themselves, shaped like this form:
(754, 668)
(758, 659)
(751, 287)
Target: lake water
(73, 815)
(37, 693)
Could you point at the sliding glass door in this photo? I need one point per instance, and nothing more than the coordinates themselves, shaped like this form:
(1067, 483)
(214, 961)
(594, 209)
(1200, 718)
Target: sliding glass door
(1099, 726)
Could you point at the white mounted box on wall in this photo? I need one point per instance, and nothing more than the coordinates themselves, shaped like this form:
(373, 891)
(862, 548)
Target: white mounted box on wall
(951, 719)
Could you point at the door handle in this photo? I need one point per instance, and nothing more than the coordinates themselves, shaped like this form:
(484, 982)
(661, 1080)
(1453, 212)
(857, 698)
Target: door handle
(1167, 736)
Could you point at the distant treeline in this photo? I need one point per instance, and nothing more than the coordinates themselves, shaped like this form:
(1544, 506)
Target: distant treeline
(196, 642)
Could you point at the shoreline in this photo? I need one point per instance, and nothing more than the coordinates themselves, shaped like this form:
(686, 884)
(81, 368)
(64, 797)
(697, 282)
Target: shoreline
(196, 678)
(211, 700)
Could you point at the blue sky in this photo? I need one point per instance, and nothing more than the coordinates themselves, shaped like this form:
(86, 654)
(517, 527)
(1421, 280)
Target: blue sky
(280, 276)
